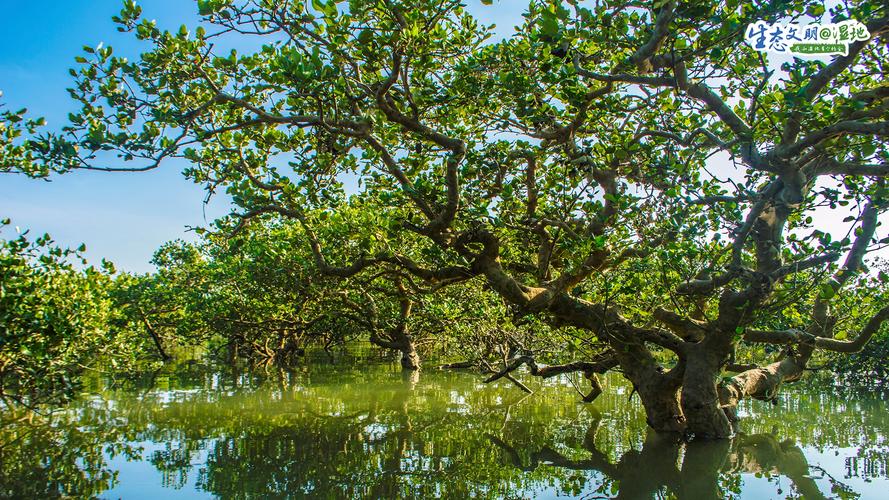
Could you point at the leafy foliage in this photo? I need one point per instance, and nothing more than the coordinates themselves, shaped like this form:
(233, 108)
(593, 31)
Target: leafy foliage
(568, 168)
(54, 320)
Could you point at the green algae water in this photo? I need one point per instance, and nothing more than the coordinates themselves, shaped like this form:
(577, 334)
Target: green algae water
(364, 430)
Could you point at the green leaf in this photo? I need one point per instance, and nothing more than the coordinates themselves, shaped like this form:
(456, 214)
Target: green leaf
(868, 148)
(815, 10)
(549, 25)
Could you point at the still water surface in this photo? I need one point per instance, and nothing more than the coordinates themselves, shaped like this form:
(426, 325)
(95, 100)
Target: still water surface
(350, 430)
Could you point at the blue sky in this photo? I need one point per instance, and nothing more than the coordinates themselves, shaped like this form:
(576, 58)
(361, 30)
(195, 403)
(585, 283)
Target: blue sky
(123, 217)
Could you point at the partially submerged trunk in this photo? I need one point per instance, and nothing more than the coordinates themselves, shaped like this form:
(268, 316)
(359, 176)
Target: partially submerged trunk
(410, 360)
(403, 343)
(663, 411)
(399, 338)
(658, 391)
(691, 398)
(396, 338)
(700, 399)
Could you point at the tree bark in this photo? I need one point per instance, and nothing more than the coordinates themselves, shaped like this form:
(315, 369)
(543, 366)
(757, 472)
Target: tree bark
(399, 338)
(700, 399)
(660, 398)
(410, 360)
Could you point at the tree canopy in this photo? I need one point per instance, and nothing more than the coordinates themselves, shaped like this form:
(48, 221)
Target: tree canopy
(628, 170)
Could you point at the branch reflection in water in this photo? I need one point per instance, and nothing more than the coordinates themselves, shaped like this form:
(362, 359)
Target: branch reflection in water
(364, 430)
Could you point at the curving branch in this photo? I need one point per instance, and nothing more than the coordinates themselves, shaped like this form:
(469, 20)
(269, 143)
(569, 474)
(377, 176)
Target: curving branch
(830, 166)
(846, 127)
(858, 343)
(686, 328)
(660, 30)
(600, 364)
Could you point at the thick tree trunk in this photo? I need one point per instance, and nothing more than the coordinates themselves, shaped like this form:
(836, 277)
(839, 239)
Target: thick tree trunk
(410, 360)
(700, 397)
(402, 342)
(658, 391)
(399, 338)
(662, 409)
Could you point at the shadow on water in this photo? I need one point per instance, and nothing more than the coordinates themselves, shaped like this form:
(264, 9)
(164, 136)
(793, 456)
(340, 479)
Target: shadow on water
(359, 430)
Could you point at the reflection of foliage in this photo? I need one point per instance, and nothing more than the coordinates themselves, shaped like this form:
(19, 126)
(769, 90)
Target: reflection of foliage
(49, 457)
(358, 430)
(174, 464)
